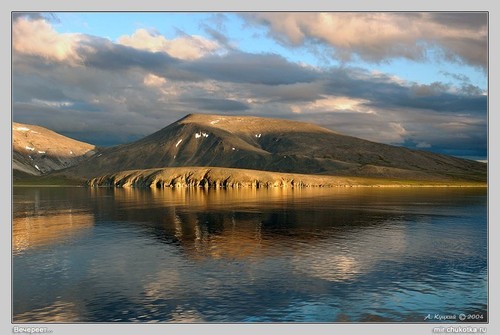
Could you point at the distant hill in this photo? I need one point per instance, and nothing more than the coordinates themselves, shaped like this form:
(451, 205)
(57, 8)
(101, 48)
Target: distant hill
(37, 151)
(245, 142)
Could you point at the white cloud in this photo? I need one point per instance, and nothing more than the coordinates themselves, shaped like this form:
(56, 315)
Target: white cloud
(296, 109)
(38, 38)
(152, 80)
(184, 47)
(380, 36)
(331, 103)
(55, 104)
(398, 128)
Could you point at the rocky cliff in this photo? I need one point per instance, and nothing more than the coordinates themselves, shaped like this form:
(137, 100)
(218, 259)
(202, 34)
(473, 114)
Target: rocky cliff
(214, 177)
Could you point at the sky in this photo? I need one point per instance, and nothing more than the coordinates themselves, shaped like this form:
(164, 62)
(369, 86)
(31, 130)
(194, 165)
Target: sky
(414, 79)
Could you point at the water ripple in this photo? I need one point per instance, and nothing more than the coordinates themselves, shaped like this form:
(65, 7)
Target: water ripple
(193, 256)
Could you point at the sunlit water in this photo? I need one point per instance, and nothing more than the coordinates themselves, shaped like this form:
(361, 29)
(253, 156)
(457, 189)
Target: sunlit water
(336, 255)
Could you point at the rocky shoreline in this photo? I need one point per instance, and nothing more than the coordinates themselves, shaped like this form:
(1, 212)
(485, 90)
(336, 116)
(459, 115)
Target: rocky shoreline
(215, 177)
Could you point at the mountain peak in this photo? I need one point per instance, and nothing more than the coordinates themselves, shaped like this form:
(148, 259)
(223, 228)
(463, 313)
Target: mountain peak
(251, 124)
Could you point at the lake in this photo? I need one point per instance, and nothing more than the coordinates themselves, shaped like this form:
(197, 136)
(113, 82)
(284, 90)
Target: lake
(265, 255)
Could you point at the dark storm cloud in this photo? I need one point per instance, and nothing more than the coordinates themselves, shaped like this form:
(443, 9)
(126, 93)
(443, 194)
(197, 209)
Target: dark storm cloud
(383, 92)
(239, 67)
(298, 92)
(443, 102)
(358, 83)
(25, 88)
(98, 128)
(436, 100)
(211, 104)
(235, 67)
(102, 53)
(460, 20)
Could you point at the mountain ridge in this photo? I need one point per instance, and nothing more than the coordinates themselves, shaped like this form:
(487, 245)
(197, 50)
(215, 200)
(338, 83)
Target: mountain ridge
(37, 150)
(250, 142)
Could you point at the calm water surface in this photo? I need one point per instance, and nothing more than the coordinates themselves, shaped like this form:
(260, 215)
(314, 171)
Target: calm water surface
(337, 255)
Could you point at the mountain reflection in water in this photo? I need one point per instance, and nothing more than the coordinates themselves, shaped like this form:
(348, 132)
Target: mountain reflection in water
(267, 255)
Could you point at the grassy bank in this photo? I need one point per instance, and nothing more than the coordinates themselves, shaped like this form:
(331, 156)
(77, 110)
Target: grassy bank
(47, 181)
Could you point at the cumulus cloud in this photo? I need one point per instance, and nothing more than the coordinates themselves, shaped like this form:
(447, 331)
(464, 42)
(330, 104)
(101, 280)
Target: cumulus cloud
(332, 103)
(183, 47)
(183, 59)
(132, 89)
(154, 80)
(377, 37)
(38, 38)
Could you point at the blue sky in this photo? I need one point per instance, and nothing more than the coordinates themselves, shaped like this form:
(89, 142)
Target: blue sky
(414, 79)
(253, 39)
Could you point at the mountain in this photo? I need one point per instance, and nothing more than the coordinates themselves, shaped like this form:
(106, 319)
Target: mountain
(246, 142)
(37, 151)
